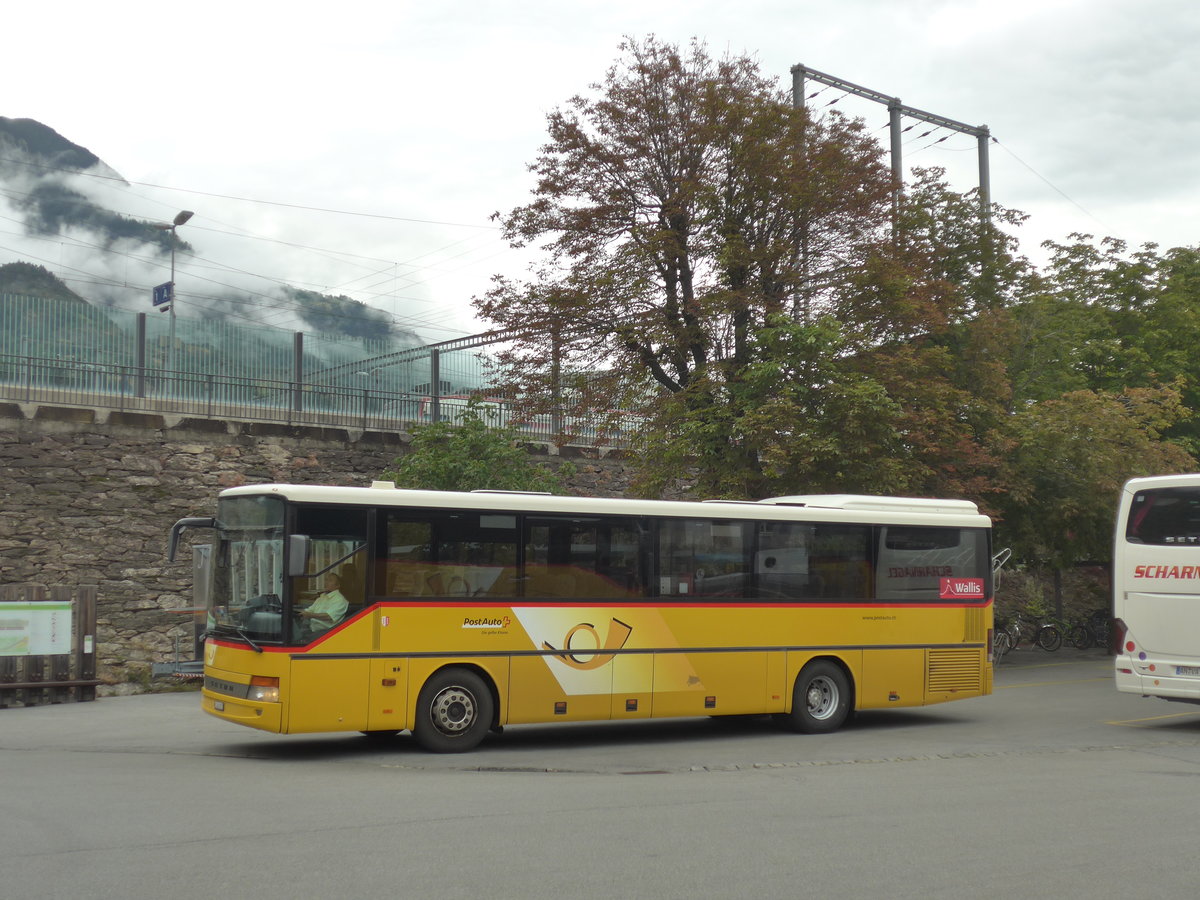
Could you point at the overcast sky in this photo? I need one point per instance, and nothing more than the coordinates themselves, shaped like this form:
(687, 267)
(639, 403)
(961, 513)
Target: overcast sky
(360, 147)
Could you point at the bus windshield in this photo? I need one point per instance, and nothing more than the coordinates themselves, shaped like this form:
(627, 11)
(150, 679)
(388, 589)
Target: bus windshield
(247, 569)
(1168, 516)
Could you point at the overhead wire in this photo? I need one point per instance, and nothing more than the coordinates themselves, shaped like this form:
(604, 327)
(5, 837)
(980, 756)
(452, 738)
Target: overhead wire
(82, 276)
(404, 321)
(337, 254)
(993, 140)
(340, 212)
(1053, 186)
(261, 299)
(836, 100)
(346, 256)
(942, 139)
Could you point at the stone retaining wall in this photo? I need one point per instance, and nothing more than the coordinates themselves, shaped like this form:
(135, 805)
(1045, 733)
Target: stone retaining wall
(90, 497)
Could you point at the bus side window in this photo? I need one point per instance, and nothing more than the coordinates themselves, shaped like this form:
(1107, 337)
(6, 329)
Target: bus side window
(353, 585)
(841, 561)
(781, 562)
(572, 557)
(337, 540)
(914, 560)
(406, 563)
(472, 553)
(702, 557)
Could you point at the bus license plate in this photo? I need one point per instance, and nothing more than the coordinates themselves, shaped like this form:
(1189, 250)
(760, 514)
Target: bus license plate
(1187, 670)
(219, 705)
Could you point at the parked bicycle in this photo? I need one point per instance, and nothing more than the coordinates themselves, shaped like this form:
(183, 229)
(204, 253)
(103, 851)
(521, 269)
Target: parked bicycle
(1079, 635)
(1090, 632)
(1037, 631)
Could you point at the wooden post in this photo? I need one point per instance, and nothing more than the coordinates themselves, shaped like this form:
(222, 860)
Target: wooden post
(8, 675)
(85, 641)
(60, 663)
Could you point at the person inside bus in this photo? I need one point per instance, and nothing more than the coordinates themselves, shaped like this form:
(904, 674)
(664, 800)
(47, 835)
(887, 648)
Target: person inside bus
(324, 612)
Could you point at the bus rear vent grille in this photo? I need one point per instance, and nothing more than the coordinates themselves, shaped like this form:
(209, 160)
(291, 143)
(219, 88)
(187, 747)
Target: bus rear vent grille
(954, 670)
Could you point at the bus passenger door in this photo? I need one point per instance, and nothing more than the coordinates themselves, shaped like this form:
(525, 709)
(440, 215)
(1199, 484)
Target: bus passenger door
(387, 706)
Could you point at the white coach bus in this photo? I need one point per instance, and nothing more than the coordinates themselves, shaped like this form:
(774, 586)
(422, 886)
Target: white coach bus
(1156, 588)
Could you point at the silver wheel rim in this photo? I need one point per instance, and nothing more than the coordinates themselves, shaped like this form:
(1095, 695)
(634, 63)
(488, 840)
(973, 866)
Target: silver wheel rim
(453, 710)
(822, 697)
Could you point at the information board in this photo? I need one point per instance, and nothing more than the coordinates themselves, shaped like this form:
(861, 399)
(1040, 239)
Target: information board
(35, 629)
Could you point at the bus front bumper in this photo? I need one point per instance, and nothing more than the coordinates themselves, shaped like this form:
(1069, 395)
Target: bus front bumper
(251, 713)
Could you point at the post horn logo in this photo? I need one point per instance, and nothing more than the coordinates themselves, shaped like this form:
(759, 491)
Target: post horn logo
(595, 657)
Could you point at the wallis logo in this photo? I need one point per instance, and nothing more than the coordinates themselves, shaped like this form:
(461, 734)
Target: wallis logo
(596, 655)
(960, 589)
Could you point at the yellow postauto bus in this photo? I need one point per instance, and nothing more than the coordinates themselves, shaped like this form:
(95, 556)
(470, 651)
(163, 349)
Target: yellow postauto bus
(456, 614)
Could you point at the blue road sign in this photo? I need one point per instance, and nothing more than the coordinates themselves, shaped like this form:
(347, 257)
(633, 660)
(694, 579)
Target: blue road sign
(163, 293)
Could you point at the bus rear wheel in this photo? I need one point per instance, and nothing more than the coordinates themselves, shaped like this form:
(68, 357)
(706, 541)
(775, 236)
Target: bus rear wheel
(821, 698)
(454, 712)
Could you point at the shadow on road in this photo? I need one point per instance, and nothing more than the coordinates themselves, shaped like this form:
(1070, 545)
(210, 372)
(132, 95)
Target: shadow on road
(537, 740)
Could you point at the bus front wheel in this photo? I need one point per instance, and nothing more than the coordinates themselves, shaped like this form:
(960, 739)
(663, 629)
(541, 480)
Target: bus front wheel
(454, 711)
(821, 698)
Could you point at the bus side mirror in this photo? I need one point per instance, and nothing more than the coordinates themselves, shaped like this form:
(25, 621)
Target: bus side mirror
(299, 548)
(998, 562)
(177, 530)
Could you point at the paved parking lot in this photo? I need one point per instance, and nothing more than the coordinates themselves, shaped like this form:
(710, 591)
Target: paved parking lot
(1055, 784)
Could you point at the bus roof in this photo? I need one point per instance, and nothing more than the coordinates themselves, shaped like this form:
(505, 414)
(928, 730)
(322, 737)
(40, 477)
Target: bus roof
(831, 507)
(1152, 481)
(878, 504)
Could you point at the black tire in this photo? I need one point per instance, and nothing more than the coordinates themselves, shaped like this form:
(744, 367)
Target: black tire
(1079, 637)
(1049, 638)
(821, 699)
(454, 712)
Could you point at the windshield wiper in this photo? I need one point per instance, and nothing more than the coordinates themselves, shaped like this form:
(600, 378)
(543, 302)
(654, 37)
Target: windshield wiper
(246, 638)
(224, 628)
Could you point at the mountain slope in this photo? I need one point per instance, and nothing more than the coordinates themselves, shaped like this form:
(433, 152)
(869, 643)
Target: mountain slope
(40, 183)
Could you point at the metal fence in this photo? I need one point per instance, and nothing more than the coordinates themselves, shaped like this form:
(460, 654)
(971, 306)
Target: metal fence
(209, 396)
(134, 389)
(71, 354)
(73, 331)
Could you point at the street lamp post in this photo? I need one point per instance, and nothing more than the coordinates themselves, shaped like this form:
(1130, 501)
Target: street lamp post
(180, 219)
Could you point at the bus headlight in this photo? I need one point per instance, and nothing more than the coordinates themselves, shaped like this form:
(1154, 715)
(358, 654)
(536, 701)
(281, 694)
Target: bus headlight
(264, 689)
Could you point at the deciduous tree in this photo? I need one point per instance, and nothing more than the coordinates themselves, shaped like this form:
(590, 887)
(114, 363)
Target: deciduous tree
(470, 454)
(719, 259)
(1069, 459)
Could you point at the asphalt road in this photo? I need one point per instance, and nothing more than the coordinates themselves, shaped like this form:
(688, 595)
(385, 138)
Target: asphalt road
(1054, 786)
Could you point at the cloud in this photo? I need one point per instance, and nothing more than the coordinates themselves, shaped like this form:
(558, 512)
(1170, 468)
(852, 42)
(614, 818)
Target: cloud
(431, 113)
